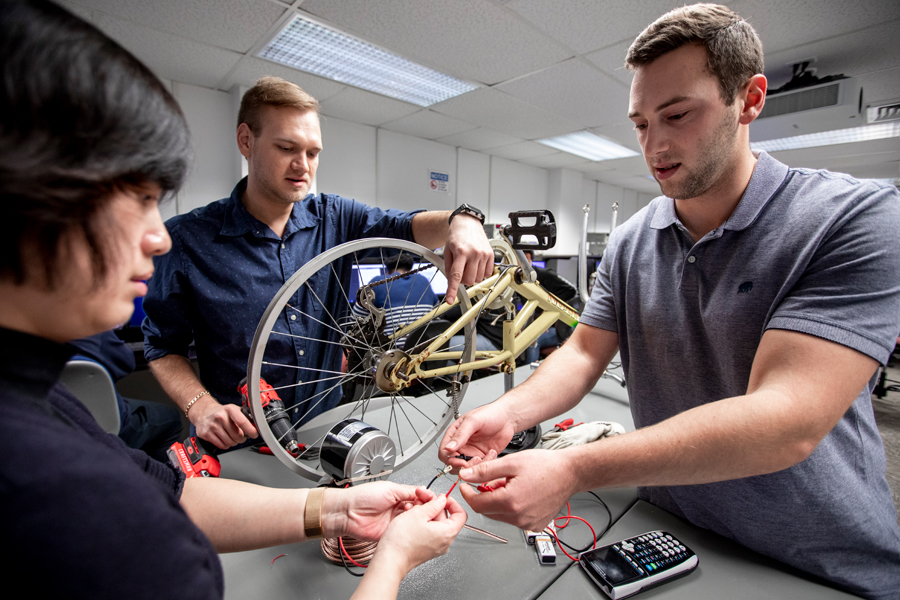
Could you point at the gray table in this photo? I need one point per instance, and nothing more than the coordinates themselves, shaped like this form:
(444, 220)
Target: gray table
(475, 566)
(726, 569)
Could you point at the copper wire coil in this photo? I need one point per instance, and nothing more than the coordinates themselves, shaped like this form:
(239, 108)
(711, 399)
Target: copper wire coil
(358, 550)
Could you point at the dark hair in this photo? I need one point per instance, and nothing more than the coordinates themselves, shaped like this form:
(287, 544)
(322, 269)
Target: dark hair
(734, 52)
(80, 119)
(272, 91)
(404, 261)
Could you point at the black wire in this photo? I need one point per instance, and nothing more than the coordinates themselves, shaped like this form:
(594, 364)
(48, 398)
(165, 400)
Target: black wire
(344, 561)
(599, 535)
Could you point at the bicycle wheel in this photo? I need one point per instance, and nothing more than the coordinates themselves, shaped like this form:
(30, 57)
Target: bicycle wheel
(329, 362)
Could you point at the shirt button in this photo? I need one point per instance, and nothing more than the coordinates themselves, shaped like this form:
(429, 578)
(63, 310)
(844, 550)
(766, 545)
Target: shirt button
(282, 246)
(294, 317)
(302, 352)
(691, 259)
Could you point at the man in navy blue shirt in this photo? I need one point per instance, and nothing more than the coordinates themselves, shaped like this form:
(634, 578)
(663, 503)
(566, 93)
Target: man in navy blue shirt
(230, 258)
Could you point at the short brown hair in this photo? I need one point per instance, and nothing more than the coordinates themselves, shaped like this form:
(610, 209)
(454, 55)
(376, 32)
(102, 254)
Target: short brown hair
(272, 91)
(733, 49)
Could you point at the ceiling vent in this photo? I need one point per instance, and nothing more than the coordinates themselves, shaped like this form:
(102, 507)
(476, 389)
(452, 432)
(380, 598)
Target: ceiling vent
(808, 104)
(883, 113)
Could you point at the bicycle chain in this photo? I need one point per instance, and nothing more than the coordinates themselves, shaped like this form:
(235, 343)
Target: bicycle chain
(395, 277)
(414, 271)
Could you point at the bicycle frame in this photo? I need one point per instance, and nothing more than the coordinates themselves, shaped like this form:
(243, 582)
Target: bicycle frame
(518, 333)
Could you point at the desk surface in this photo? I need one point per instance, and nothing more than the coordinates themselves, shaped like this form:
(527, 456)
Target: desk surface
(475, 566)
(726, 569)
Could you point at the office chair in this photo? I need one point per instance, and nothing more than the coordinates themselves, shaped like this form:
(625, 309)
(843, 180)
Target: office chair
(91, 383)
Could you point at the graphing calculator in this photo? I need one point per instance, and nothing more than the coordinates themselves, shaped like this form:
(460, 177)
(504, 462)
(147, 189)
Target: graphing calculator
(644, 561)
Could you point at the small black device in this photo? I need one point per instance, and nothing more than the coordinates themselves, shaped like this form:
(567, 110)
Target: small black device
(644, 561)
(467, 209)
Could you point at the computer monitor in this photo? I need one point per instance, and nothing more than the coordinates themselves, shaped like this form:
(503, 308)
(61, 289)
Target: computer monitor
(363, 274)
(437, 279)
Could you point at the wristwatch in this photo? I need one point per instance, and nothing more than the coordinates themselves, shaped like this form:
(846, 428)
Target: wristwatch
(467, 209)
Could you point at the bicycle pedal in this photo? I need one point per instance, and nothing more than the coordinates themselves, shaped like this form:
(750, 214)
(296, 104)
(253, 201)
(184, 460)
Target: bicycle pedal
(543, 230)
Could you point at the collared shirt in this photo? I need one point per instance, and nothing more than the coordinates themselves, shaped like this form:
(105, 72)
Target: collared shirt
(225, 267)
(807, 251)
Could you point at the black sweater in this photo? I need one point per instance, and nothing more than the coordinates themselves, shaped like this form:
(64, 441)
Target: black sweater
(81, 514)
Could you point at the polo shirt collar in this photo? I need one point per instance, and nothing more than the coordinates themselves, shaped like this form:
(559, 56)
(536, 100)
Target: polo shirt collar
(238, 220)
(768, 176)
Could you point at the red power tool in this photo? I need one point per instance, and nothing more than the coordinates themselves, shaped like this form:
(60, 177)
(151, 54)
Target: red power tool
(278, 419)
(196, 457)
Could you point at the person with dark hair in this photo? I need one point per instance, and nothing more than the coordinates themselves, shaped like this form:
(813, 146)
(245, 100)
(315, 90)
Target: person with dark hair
(90, 142)
(231, 257)
(751, 305)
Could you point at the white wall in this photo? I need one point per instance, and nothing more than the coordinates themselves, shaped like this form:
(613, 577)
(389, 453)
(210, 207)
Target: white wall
(391, 170)
(210, 116)
(404, 164)
(347, 162)
(515, 186)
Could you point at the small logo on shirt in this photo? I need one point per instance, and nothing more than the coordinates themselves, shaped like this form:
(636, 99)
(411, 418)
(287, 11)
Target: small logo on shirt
(745, 287)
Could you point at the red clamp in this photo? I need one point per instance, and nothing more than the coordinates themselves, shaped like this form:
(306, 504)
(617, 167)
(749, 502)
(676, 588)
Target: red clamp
(484, 488)
(564, 426)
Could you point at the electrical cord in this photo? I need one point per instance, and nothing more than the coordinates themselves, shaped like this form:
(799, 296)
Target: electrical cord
(563, 545)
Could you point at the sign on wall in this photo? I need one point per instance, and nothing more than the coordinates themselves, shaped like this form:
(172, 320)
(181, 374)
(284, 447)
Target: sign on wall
(439, 182)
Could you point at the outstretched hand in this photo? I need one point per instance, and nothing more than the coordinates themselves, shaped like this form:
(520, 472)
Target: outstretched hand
(529, 488)
(480, 434)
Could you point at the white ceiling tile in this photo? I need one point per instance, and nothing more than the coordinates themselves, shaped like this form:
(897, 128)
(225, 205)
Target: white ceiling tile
(792, 23)
(521, 150)
(573, 89)
(360, 106)
(232, 24)
(428, 124)
(881, 86)
(249, 69)
(479, 139)
(586, 25)
(494, 109)
(621, 132)
(555, 160)
(471, 39)
(611, 61)
(170, 56)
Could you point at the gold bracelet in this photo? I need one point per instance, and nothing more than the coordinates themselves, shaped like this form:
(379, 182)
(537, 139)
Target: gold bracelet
(312, 513)
(191, 403)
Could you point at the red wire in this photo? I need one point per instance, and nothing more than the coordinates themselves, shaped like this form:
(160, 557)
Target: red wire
(341, 543)
(453, 486)
(568, 518)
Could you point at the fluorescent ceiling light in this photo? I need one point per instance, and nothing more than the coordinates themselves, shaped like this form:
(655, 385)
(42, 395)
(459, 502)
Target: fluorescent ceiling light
(311, 47)
(878, 131)
(589, 145)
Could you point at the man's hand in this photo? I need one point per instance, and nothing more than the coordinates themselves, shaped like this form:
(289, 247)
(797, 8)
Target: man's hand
(222, 425)
(480, 434)
(422, 533)
(365, 511)
(468, 256)
(530, 487)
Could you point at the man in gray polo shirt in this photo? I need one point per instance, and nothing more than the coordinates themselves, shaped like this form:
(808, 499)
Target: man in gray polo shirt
(751, 305)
